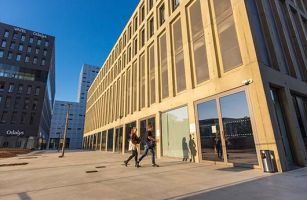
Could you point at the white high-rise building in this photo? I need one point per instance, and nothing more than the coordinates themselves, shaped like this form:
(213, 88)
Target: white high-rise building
(76, 113)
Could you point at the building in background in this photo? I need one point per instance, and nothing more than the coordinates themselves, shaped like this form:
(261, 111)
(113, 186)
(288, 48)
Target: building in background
(76, 113)
(27, 87)
(220, 80)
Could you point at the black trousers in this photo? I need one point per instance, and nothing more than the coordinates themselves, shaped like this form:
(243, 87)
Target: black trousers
(135, 155)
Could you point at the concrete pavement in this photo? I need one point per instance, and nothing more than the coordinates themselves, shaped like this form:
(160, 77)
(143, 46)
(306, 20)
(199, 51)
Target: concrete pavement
(47, 177)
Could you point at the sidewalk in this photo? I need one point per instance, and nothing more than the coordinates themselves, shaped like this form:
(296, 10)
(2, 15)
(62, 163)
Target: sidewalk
(47, 177)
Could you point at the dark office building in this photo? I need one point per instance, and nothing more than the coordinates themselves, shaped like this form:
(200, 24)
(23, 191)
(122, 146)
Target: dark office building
(27, 87)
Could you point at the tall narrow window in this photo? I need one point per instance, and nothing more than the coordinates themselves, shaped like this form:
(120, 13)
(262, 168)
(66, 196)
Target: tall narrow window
(162, 14)
(175, 4)
(152, 80)
(3, 44)
(198, 43)
(142, 82)
(163, 66)
(135, 46)
(151, 27)
(1, 54)
(6, 34)
(226, 28)
(134, 87)
(150, 4)
(128, 91)
(142, 38)
(18, 57)
(178, 56)
(11, 87)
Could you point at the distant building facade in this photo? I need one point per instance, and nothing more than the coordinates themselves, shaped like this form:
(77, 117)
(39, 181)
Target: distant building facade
(27, 87)
(76, 113)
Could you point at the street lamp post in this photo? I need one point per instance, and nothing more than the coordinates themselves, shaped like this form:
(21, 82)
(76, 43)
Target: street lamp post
(65, 131)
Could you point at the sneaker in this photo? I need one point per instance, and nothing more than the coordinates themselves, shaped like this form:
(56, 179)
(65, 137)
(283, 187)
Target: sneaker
(126, 163)
(155, 165)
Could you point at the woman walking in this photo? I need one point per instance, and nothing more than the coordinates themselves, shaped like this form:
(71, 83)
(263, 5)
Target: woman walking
(134, 141)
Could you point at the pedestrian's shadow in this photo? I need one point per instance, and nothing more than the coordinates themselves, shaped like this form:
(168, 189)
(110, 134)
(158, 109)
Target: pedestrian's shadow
(185, 149)
(192, 147)
(24, 196)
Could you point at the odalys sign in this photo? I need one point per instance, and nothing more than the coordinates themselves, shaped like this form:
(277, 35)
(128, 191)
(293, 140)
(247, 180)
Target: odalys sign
(15, 133)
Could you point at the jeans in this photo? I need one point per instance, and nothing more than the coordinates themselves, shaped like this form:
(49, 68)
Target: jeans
(135, 155)
(152, 149)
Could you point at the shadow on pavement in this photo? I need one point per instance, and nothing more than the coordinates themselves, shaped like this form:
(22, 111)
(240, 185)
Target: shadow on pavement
(24, 196)
(284, 186)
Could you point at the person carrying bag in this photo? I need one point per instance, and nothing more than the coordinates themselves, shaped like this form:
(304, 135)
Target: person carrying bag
(134, 141)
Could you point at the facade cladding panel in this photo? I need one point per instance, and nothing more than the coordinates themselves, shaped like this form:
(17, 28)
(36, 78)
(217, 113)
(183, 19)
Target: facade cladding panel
(27, 87)
(223, 80)
(76, 113)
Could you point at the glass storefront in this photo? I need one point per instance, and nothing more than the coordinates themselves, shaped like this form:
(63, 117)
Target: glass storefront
(119, 140)
(234, 141)
(175, 133)
(103, 140)
(110, 140)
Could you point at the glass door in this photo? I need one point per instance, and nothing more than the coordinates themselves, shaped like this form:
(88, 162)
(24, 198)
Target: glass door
(237, 127)
(110, 140)
(225, 130)
(209, 129)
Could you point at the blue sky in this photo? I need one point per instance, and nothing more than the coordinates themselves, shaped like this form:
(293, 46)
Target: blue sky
(85, 32)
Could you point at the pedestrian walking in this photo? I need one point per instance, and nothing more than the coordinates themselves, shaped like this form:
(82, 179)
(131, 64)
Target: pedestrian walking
(150, 144)
(134, 141)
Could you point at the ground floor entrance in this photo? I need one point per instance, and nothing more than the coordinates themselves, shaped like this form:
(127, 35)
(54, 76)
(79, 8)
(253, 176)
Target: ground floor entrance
(225, 130)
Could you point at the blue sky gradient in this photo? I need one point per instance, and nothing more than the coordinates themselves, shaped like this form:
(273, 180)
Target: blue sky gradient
(85, 32)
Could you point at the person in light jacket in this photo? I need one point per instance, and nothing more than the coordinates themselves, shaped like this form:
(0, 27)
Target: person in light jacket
(134, 141)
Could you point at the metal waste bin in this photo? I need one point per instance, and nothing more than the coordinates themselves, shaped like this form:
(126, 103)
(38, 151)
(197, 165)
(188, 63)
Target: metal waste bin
(267, 158)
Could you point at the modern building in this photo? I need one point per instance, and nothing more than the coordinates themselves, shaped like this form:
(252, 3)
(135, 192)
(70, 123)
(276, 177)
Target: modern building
(220, 80)
(27, 87)
(76, 113)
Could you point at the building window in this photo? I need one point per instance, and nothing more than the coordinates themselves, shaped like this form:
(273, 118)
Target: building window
(31, 40)
(178, 57)
(26, 104)
(15, 36)
(45, 52)
(3, 44)
(34, 106)
(29, 89)
(175, 4)
(23, 117)
(150, 4)
(10, 56)
(23, 38)
(198, 43)
(136, 22)
(39, 42)
(162, 14)
(32, 118)
(151, 27)
(37, 90)
(229, 45)
(163, 66)
(135, 46)
(4, 117)
(37, 51)
(20, 48)
(152, 80)
(27, 59)
(34, 60)
(29, 49)
(142, 11)
(1, 54)
(12, 45)
(6, 34)
(11, 88)
(17, 102)
(46, 43)
(2, 86)
(20, 88)
(18, 57)
(8, 102)
(142, 38)
(1, 99)
(43, 62)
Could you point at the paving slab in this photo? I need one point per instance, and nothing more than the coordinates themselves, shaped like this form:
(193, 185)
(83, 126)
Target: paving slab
(48, 177)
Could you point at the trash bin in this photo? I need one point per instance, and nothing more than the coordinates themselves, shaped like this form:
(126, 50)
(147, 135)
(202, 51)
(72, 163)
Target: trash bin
(267, 158)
